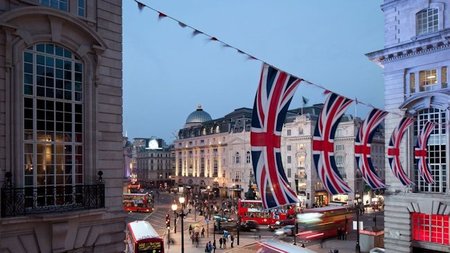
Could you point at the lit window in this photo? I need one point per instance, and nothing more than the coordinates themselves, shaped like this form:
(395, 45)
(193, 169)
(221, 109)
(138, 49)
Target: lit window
(427, 21)
(53, 125)
(56, 4)
(430, 228)
(444, 77)
(426, 78)
(412, 82)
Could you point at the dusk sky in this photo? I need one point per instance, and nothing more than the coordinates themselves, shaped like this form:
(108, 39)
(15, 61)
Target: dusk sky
(168, 72)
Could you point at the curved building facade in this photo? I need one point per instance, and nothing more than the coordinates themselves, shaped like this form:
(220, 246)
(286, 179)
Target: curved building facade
(416, 58)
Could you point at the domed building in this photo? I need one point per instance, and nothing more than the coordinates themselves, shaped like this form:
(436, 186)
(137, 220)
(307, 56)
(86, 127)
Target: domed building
(197, 117)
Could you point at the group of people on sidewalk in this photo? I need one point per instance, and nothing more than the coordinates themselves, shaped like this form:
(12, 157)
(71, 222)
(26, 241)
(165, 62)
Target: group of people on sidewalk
(224, 239)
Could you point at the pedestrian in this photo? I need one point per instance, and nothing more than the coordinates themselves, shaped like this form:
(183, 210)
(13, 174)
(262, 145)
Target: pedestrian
(207, 248)
(220, 242)
(232, 240)
(190, 229)
(203, 232)
(225, 242)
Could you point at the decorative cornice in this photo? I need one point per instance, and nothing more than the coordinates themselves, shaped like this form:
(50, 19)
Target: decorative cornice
(419, 45)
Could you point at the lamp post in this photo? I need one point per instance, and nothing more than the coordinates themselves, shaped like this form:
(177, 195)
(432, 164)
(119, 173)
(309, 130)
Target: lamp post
(175, 219)
(295, 232)
(358, 210)
(214, 236)
(181, 214)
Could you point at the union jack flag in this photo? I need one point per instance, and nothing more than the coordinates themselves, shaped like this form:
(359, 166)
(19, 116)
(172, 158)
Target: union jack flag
(323, 143)
(420, 152)
(363, 147)
(393, 151)
(272, 100)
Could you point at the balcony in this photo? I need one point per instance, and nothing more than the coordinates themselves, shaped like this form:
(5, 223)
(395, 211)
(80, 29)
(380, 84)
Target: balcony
(51, 199)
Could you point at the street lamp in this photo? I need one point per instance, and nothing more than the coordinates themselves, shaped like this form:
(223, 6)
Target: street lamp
(358, 202)
(181, 214)
(174, 209)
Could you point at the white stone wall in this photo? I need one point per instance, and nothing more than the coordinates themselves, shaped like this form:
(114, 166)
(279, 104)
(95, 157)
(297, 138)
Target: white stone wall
(403, 51)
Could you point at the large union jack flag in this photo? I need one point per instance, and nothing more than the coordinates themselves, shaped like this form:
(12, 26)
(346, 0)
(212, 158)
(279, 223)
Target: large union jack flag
(323, 144)
(393, 151)
(420, 152)
(363, 148)
(272, 100)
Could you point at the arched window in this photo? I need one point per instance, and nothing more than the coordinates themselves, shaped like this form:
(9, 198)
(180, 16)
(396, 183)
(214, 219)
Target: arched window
(427, 21)
(53, 125)
(237, 158)
(436, 149)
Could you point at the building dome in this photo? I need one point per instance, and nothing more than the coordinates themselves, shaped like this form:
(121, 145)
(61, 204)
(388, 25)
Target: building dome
(197, 117)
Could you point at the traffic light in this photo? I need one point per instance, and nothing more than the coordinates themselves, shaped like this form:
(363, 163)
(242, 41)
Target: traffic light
(167, 220)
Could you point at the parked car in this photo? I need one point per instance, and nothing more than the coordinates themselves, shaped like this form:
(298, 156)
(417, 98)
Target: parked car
(286, 230)
(249, 225)
(377, 250)
(280, 224)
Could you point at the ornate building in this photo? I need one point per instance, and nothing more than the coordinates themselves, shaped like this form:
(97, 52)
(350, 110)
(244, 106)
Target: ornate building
(415, 58)
(214, 153)
(297, 138)
(61, 159)
(154, 163)
(218, 153)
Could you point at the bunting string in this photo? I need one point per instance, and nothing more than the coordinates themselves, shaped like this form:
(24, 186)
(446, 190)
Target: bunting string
(249, 56)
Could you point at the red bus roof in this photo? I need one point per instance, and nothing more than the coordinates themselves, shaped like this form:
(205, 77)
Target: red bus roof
(141, 230)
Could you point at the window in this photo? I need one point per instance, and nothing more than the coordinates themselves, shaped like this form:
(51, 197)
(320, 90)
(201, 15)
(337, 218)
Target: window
(57, 4)
(430, 228)
(427, 21)
(288, 132)
(53, 125)
(289, 172)
(248, 157)
(436, 149)
(339, 160)
(289, 147)
(428, 79)
(237, 158)
(81, 8)
(339, 147)
(289, 159)
(412, 83)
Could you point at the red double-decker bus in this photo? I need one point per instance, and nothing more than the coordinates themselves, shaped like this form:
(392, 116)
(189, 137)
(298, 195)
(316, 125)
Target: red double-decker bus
(324, 222)
(141, 237)
(137, 202)
(253, 210)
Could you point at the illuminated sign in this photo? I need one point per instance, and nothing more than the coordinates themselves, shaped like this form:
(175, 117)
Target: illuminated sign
(156, 246)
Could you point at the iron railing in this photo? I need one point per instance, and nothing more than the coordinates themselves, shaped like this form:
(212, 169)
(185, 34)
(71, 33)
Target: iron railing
(50, 199)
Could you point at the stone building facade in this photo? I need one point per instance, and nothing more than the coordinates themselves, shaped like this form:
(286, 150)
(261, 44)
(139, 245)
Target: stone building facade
(61, 158)
(416, 58)
(217, 153)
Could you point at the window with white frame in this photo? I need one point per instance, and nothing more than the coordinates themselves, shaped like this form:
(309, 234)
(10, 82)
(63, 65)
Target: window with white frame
(426, 79)
(427, 21)
(339, 147)
(53, 125)
(339, 160)
(436, 150)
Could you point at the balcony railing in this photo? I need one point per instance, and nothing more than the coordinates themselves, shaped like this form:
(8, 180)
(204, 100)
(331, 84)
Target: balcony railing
(49, 199)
